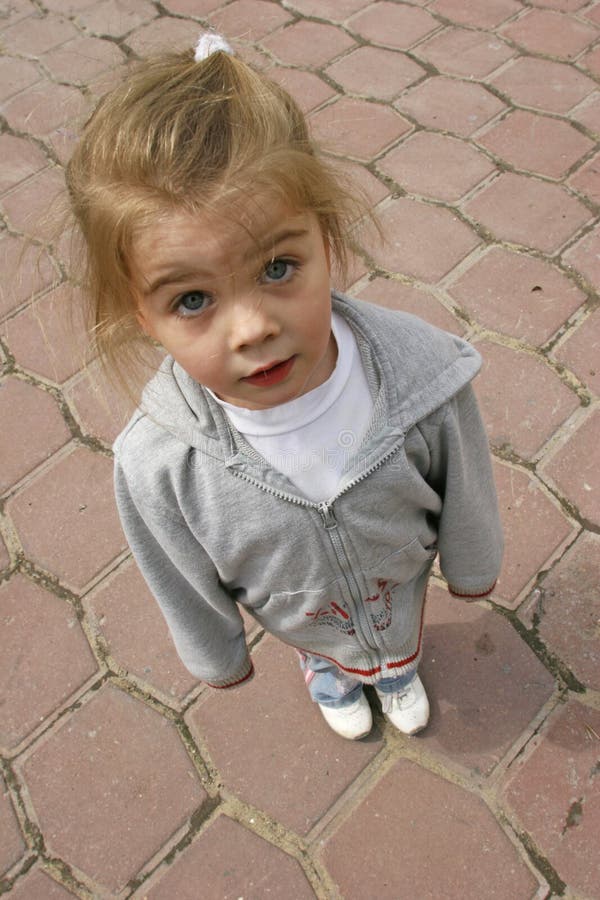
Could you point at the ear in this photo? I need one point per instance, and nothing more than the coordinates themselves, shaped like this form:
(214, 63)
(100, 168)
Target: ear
(142, 321)
(327, 249)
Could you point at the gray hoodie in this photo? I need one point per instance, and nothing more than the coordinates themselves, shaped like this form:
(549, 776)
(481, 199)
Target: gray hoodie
(213, 527)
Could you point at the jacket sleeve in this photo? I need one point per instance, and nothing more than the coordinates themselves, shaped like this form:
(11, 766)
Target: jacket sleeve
(204, 620)
(470, 541)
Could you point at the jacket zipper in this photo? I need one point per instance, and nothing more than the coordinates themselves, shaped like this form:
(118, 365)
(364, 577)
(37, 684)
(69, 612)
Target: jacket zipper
(363, 629)
(329, 520)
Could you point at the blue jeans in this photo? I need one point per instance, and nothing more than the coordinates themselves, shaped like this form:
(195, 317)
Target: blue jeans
(329, 686)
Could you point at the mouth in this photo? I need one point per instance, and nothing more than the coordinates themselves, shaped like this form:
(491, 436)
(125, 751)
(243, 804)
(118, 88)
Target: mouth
(271, 374)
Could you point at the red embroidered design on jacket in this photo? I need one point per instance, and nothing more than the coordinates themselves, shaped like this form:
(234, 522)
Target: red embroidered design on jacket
(335, 615)
(382, 617)
(339, 617)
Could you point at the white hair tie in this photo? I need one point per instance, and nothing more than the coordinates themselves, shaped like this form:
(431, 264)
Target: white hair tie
(209, 43)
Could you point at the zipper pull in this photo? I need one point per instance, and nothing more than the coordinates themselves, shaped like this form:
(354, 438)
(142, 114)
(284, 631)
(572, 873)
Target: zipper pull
(327, 515)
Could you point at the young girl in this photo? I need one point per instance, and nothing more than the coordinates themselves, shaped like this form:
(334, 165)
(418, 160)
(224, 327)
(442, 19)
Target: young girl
(299, 454)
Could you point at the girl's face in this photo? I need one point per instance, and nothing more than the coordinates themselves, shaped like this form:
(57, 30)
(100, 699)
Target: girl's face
(245, 309)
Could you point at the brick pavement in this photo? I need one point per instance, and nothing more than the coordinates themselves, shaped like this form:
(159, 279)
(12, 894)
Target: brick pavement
(473, 126)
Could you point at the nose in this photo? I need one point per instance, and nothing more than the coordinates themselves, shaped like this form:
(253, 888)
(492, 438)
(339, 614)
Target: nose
(251, 323)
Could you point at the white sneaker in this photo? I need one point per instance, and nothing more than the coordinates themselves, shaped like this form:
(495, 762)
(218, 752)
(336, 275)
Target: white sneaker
(408, 708)
(353, 722)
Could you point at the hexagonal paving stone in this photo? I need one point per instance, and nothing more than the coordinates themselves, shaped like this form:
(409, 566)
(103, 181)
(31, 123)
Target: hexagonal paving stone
(423, 241)
(32, 429)
(588, 112)
(459, 51)
(243, 728)
(517, 294)
(163, 34)
(15, 75)
(36, 34)
(536, 143)
(528, 212)
(334, 10)
(43, 108)
(543, 84)
(359, 177)
(539, 401)
(405, 297)
(592, 13)
(27, 206)
(555, 791)
(434, 165)
(585, 256)
(484, 683)
(550, 32)
(249, 19)
(74, 532)
(20, 160)
(115, 774)
(587, 179)
(116, 17)
(45, 660)
(472, 12)
(307, 89)
(374, 72)
(450, 105)
(574, 467)
(27, 270)
(230, 861)
(100, 407)
(393, 25)
(569, 609)
(307, 44)
(13, 846)
(535, 530)
(581, 351)
(49, 338)
(124, 612)
(449, 828)
(82, 59)
(357, 128)
(192, 8)
(36, 885)
(67, 7)
(591, 61)
(62, 140)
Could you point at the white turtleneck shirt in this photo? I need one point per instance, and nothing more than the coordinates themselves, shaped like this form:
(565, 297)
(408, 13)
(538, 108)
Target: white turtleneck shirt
(313, 438)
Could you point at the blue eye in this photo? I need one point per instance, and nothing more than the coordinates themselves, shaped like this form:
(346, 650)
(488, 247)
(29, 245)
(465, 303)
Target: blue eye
(192, 303)
(278, 270)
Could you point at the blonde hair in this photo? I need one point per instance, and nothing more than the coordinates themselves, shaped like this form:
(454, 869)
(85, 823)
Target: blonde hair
(184, 134)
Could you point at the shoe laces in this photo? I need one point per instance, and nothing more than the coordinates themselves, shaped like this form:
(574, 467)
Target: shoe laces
(389, 702)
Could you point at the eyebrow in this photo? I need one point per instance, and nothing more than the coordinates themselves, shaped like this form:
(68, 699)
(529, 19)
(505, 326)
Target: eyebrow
(175, 276)
(272, 240)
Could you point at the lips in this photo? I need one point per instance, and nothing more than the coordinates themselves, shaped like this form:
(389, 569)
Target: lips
(272, 374)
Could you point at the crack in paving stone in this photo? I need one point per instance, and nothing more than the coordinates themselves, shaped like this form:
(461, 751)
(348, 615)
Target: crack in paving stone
(549, 660)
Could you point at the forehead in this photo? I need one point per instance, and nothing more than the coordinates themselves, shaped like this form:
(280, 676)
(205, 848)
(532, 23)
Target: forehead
(214, 237)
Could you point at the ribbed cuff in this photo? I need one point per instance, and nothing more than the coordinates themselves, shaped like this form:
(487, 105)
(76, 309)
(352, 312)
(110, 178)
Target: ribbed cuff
(242, 675)
(462, 595)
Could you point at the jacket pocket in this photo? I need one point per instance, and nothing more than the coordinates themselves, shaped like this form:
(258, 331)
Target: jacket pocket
(396, 590)
(404, 564)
